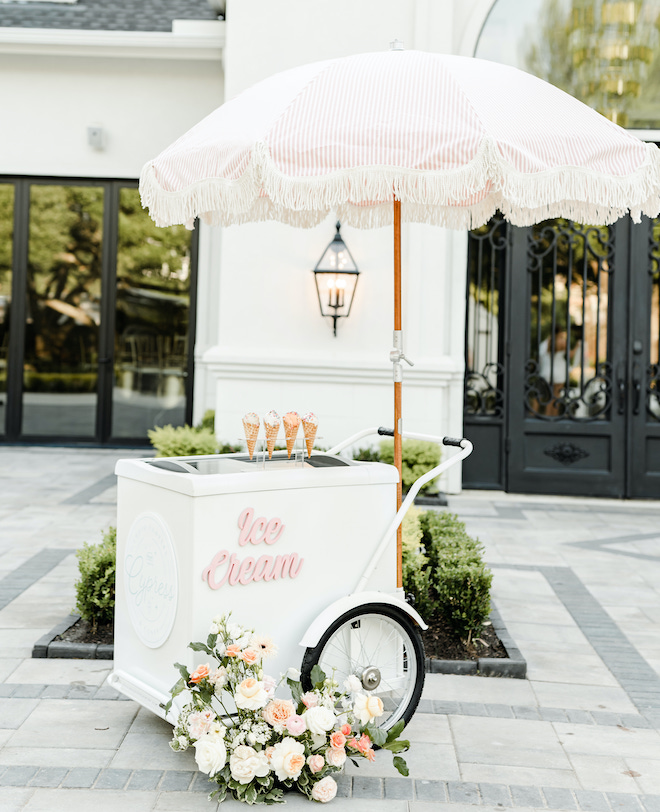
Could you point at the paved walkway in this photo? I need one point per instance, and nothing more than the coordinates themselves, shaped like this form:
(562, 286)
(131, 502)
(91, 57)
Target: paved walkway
(577, 582)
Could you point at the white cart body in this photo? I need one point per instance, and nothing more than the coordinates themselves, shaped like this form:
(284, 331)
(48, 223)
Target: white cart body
(274, 546)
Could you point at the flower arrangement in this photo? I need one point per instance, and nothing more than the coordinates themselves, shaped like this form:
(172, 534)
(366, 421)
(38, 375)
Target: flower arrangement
(254, 744)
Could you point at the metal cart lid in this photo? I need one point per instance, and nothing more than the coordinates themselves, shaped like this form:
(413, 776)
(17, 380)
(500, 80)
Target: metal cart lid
(231, 473)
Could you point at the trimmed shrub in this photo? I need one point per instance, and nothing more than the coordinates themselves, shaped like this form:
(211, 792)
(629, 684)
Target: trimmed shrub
(207, 422)
(182, 441)
(446, 573)
(418, 457)
(95, 589)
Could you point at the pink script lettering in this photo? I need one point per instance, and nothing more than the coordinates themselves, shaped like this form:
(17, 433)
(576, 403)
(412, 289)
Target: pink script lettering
(226, 568)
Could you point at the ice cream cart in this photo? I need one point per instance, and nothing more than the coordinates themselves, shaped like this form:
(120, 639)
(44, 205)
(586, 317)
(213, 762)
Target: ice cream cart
(302, 549)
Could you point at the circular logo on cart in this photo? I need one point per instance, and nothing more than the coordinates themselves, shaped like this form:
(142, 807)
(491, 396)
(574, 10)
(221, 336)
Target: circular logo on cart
(150, 579)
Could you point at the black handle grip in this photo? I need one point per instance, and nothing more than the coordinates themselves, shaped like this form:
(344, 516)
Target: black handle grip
(452, 441)
(385, 432)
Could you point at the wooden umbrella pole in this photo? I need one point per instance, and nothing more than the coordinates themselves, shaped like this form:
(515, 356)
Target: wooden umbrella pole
(398, 461)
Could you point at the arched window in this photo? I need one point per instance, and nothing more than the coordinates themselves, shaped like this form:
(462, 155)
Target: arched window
(604, 52)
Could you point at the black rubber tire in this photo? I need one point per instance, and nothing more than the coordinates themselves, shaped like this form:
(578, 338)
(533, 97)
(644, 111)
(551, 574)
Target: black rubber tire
(396, 618)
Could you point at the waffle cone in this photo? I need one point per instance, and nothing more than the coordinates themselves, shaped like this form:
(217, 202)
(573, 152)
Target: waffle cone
(271, 436)
(310, 430)
(290, 432)
(251, 434)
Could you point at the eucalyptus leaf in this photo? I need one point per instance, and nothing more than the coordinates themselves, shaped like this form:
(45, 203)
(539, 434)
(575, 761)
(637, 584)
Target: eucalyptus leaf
(199, 647)
(396, 730)
(401, 765)
(318, 676)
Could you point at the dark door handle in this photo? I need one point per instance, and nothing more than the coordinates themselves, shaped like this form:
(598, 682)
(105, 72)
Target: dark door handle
(637, 389)
(621, 386)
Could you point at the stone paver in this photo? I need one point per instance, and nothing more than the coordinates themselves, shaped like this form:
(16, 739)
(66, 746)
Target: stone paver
(576, 582)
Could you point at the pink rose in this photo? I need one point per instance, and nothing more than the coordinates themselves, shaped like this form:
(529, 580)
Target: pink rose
(325, 790)
(337, 740)
(200, 673)
(335, 757)
(370, 755)
(295, 725)
(310, 699)
(346, 730)
(269, 685)
(315, 763)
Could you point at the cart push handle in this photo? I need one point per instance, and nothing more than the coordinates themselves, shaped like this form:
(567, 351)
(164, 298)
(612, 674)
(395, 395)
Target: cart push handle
(465, 451)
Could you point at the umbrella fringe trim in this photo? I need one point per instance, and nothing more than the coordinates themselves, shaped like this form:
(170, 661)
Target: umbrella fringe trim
(427, 197)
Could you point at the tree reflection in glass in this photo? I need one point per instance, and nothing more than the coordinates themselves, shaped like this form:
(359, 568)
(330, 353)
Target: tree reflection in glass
(62, 311)
(152, 318)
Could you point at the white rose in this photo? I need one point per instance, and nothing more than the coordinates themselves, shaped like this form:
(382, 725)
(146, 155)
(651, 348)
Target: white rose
(367, 708)
(352, 684)
(335, 757)
(218, 677)
(325, 790)
(293, 674)
(210, 754)
(245, 762)
(319, 720)
(288, 758)
(251, 695)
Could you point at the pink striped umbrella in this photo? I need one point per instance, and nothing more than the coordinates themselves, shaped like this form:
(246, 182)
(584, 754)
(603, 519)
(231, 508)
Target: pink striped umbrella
(422, 137)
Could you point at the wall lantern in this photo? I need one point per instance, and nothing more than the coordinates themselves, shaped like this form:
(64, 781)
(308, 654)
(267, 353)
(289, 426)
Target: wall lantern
(336, 276)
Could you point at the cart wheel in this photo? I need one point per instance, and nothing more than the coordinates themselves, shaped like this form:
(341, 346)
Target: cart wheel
(382, 647)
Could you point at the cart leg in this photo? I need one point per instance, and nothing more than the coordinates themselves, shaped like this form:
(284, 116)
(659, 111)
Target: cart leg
(382, 647)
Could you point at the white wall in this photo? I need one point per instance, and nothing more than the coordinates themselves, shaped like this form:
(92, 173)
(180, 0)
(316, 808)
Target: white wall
(273, 348)
(47, 103)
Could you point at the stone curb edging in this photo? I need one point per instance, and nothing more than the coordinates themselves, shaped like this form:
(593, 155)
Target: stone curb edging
(513, 665)
(48, 647)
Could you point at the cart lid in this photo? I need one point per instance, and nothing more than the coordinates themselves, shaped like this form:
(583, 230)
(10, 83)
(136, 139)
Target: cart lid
(236, 473)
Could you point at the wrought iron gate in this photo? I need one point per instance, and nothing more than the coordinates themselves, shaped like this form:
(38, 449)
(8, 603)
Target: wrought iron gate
(562, 390)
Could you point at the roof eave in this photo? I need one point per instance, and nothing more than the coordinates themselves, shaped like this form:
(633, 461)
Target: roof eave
(203, 41)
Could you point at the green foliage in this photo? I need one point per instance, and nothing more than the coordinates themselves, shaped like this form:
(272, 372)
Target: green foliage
(95, 589)
(446, 572)
(182, 441)
(418, 457)
(367, 454)
(207, 422)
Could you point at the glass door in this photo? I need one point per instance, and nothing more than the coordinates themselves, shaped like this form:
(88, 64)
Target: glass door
(6, 244)
(152, 321)
(99, 344)
(62, 311)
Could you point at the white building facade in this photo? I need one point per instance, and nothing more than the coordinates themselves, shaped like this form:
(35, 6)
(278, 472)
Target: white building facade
(92, 100)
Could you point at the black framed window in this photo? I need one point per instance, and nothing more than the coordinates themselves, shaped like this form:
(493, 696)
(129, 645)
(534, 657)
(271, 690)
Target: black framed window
(96, 313)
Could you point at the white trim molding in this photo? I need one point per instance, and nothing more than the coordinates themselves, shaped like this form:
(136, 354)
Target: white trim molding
(202, 42)
(440, 372)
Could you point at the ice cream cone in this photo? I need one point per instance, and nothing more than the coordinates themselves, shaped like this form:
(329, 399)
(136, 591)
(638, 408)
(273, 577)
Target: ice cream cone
(251, 428)
(271, 436)
(310, 430)
(291, 422)
(272, 425)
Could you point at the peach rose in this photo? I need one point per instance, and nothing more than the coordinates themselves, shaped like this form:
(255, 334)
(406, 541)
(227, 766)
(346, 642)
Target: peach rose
(335, 757)
(315, 763)
(371, 756)
(367, 708)
(337, 740)
(200, 673)
(364, 744)
(250, 656)
(233, 651)
(277, 711)
(346, 730)
(288, 758)
(325, 790)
